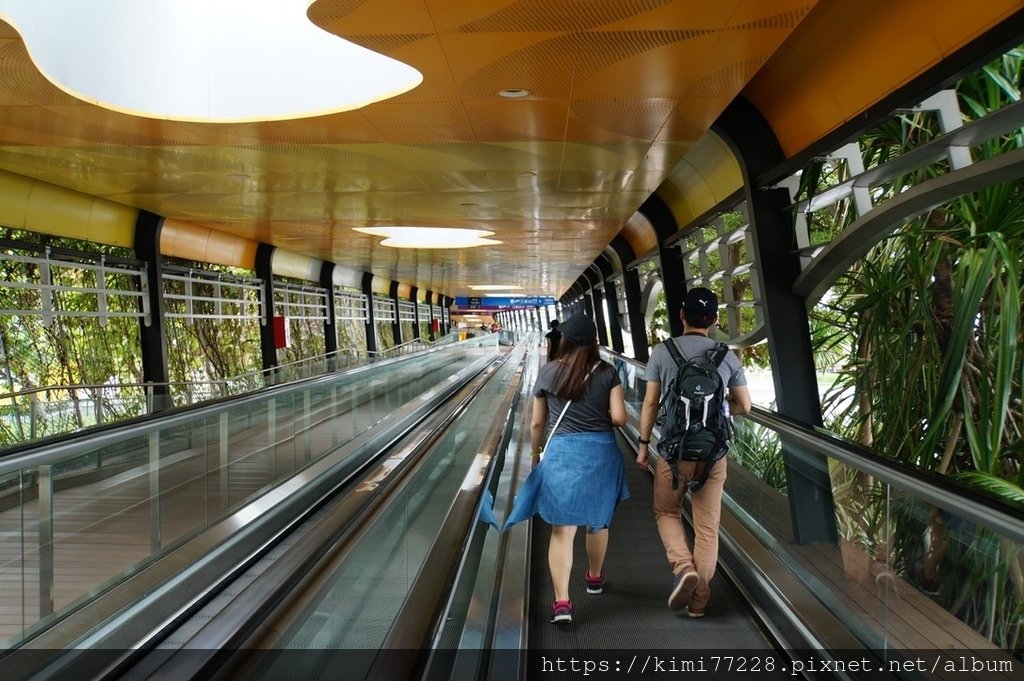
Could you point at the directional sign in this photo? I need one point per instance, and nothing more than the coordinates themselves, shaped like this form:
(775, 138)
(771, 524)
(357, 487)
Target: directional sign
(502, 302)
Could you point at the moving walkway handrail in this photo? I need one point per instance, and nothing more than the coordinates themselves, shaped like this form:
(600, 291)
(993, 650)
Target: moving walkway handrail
(174, 582)
(991, 512)
(263, 606)
(51, 450)
(988, 511)
(419, 622)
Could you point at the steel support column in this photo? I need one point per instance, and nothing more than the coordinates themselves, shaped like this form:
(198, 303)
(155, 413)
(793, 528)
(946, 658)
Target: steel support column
(614, 328)
(396, 326)
(414, 295)
(371, 324)
(268, 348)
(672, 276)
(430, 318)
(153, 335)
(330, 324)
(631, 284)
(593, 274)
(789, 339)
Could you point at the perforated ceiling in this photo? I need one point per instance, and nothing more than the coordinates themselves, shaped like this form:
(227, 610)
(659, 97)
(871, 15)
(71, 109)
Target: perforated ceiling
(619, 91)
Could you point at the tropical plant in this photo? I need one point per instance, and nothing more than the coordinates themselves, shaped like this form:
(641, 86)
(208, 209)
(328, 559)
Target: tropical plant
(759, 450)
(658, 329)
(932, 318)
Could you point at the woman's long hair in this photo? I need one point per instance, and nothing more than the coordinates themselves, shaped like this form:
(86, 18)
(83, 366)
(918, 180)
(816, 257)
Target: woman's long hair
(575, 363)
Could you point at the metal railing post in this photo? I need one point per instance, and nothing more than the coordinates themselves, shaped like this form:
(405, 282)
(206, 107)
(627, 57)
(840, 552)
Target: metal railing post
(307, 436)
(272, 436)
(222, 444)
(154, 491)
(45, 485)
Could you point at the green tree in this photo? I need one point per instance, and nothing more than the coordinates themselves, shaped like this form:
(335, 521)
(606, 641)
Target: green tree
(934, 375)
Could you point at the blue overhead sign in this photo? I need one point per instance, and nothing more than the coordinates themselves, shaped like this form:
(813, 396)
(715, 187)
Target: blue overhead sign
(502, 302)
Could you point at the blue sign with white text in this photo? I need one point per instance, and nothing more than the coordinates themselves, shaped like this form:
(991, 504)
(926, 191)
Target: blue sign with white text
(502, 302)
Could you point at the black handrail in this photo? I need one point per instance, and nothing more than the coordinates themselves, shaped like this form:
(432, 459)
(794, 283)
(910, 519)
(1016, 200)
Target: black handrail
(977, 506)
(416, 628)
(972, 504)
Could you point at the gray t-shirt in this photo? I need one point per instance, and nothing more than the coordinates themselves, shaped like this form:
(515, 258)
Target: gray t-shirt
(586, 415)
(661, 368)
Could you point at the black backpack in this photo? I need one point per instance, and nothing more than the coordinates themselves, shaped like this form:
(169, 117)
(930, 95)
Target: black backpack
(692, 418)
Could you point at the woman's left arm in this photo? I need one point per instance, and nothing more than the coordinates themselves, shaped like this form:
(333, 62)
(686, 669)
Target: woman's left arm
(538, 421)
(617, 406)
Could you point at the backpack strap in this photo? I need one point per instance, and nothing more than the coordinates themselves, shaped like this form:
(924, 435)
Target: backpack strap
(698, 482)
(721, 350)
(677, 357)
(674, 352)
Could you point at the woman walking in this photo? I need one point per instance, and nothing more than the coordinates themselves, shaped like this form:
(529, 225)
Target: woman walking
(578, 401)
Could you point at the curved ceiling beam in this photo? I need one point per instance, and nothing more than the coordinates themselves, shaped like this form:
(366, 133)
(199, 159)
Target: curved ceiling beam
(639, 233)
(604, 266)
(614, 259)
(48, 209)
(708, 175)
(858, 238)
(189, 241)
(291, 264)
(624, 250)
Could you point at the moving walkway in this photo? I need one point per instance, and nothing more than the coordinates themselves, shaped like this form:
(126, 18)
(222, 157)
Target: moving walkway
(389, 570)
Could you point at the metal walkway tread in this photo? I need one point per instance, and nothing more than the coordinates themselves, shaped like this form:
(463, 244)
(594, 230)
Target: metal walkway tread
(632, 613)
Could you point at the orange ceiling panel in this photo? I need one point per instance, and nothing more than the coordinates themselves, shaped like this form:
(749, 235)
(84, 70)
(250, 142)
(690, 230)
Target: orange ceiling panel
(849, 55)
(620, 92)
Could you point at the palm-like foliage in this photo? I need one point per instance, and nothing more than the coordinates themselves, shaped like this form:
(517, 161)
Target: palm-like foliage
(932, 315)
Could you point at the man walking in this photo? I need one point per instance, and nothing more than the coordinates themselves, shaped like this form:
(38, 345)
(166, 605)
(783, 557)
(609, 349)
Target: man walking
(554, 338)
(692, 569)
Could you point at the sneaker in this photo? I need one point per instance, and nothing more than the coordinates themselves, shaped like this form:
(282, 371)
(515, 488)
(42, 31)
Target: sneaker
(682, 589)
(561, 612)
(595, 585)
(695, 610)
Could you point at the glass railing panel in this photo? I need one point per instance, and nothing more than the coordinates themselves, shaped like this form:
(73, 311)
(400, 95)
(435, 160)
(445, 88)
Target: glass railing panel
(757, 477)
(13, 595)
(88, 521)
(927, 563)
(631, 375)
(92, 514)
(906, 575)
(356, 608)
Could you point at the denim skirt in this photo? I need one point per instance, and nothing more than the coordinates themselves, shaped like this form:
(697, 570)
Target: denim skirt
(580, 481)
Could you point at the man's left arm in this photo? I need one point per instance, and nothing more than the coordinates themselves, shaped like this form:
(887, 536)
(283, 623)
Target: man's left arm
(739, 400)
(739, 395)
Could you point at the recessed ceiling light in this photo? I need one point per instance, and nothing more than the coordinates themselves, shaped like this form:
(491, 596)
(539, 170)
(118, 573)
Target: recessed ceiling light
(430, 237)
(494, 287)
(514, 93)
(225, 74)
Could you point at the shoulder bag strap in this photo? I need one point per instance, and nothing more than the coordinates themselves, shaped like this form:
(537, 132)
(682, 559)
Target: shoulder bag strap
(566, 407)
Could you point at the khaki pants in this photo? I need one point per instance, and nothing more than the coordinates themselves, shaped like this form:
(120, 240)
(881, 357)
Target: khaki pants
(707, 514)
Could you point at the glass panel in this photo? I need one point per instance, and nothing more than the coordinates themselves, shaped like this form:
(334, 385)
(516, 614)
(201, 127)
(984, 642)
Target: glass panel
(92, 515)
(905, 576)
(357, 606)
(13, 600)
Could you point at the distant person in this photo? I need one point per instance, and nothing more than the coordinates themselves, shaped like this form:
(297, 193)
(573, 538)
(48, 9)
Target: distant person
(692, 569)
(554, 337)
(578, 401)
